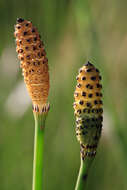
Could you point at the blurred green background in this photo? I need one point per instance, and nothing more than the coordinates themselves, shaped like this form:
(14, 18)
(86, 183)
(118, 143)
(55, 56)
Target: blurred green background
(73, 32)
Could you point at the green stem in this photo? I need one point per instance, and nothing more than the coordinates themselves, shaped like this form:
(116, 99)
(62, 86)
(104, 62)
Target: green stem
(38, 150)
(83, 173)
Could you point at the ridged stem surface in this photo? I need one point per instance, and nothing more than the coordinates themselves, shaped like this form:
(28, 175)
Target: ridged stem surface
(83, 173)
(38, 151)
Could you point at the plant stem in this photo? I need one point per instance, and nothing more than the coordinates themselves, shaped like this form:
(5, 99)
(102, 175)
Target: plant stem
(83, 173)
(38, 150)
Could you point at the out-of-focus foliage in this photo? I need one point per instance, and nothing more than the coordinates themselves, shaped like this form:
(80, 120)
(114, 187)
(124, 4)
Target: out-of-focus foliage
(73, 32)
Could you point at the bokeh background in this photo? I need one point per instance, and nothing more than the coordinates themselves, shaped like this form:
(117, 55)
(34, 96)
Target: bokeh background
(73, 32)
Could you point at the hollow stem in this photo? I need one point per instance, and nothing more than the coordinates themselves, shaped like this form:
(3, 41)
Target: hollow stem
(83, 173)
(38, 150)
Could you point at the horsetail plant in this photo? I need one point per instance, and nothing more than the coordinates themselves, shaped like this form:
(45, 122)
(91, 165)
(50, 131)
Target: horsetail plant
(34, 66)
(88, 112)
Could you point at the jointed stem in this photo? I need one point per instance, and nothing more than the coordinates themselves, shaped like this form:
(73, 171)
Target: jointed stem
(38, 151)
(83, 173)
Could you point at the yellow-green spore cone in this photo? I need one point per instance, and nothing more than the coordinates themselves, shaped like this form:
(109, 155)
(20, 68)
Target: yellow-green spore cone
(88, 109)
